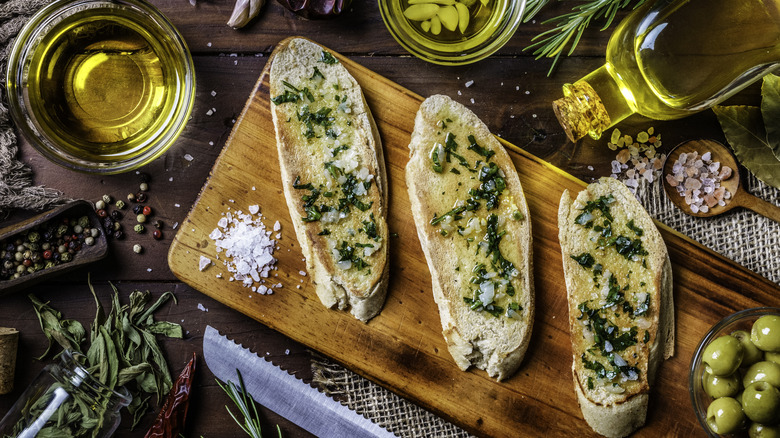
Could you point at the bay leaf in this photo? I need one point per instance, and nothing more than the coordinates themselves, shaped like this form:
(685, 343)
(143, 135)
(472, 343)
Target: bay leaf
(130, 373)
(770, 111)
(745, 132)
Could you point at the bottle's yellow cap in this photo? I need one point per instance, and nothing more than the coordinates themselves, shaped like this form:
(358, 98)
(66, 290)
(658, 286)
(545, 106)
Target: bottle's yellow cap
(580, 111)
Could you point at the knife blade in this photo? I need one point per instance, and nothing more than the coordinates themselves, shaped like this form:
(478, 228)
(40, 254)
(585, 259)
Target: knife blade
(283, 393)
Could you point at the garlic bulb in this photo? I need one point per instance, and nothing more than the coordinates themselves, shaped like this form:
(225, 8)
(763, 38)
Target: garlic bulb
(244, 12)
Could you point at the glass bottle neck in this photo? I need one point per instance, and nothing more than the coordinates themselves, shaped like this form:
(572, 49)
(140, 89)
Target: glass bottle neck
(592, 104)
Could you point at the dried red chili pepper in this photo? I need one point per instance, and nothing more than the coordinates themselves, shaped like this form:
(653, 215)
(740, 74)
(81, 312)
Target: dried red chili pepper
(170, 421)
(315, 9)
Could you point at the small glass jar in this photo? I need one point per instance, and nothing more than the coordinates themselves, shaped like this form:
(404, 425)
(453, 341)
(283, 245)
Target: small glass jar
(65, 400)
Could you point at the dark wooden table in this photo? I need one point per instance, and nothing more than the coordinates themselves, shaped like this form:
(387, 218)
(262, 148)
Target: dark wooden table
(511, 92)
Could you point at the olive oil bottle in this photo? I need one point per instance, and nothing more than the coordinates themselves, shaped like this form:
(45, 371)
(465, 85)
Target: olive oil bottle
(102, 85)
(669, 59)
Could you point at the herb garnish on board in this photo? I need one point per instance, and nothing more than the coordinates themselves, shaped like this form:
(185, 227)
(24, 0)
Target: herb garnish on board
(121, 350)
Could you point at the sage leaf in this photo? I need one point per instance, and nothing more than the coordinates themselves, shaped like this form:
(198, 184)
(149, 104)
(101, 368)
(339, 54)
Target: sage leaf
(129, 374)
(770, 111)
(745, 132)
(169, 329)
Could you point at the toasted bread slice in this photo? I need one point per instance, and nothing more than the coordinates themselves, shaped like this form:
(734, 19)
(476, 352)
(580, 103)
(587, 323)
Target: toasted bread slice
(621, 311)
(473, 224)
(333, 176)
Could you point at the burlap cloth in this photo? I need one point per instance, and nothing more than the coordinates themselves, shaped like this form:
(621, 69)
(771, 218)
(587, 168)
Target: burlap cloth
(743, 236)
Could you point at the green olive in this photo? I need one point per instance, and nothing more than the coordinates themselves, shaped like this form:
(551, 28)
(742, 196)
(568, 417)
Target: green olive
(763, 371)
(758, 430)
(723, 356)
(751, 353)
(724, 415)
(721, 386)
(761, 403)
(766, 333)
(772, 357)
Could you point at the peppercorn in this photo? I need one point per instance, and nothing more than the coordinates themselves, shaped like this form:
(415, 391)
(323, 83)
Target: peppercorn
(108, 223)
(131, 197)
(143, 187)
(116, 215)
(138, 249)
(83, 222)
(78, 229)
(107, 199)
(117, 226)
(100, 205)
(140, 197)
(139, 228)
(119, 235)
(138, 208)
(120, 204)
(89, 241)
(141, 218)
(158, 224)
(102, 213)
(147, 211)
(157, 234)
(47, 254)
(33, 236)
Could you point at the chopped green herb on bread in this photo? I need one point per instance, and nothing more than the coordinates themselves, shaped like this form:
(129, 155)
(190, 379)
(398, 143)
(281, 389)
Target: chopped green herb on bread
(473, 224)
(333, 176)
(621, 312)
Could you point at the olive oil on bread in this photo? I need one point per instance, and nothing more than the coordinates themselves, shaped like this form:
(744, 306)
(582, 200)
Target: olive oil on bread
(473, 224)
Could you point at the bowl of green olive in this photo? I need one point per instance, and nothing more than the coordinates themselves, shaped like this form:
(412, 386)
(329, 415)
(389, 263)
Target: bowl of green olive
(735, 375)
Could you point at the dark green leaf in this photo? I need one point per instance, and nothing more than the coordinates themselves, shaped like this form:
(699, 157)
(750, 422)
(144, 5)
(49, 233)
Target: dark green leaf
(169, 329)
(770, 111)
(745, 132)
(128, 374)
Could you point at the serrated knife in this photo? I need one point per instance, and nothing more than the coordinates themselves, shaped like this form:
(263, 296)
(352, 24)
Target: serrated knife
(283, 393)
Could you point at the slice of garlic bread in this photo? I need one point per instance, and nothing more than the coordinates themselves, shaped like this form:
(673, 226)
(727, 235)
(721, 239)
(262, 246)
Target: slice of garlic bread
(473, 224)
(621, 310)
(333, 176)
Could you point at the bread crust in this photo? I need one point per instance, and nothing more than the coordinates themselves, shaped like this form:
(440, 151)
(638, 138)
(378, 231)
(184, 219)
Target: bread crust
(495, 344)
(297, 61)
(609, 413)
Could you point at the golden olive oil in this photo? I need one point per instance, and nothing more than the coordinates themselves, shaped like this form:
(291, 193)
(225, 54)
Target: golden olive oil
(103, 85)
(484, 20)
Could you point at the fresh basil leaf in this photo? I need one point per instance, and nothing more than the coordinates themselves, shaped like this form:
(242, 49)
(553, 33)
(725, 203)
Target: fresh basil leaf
(770, 111)
(745, 132)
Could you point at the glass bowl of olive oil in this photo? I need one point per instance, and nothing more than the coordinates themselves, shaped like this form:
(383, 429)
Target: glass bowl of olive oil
(452, 32)
(100, 86)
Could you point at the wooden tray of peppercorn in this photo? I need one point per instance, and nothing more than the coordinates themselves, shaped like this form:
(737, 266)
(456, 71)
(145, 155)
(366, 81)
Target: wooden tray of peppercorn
(402, 348)
(77, 219)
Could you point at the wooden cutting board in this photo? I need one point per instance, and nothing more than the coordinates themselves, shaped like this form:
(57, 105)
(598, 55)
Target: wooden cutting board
(402, 348)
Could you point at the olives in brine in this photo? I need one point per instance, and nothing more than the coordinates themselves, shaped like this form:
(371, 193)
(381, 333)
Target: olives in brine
(761, 403)
(763, 371)
(723, 356)
(724, 415)
(766, 333)
(758, 430)
(751, 353)
(721, 386)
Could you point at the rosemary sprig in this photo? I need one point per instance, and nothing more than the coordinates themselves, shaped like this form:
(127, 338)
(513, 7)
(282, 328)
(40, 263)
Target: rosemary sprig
(569, 27)
(243, 401)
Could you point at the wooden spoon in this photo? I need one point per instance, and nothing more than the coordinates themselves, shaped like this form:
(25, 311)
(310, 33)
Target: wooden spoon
(739, 196)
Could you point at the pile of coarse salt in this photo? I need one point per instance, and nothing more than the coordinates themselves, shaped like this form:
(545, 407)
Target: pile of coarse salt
(697, 179)
(637, 160)
(248, 247)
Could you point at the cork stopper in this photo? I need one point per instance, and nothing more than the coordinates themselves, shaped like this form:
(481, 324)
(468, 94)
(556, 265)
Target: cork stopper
(581, 111)
(9, 341)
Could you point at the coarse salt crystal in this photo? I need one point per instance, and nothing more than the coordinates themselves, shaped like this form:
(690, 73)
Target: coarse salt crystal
(469, 83)
(188, 157)
(202, 308)
(253, 209)
(203, 263)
